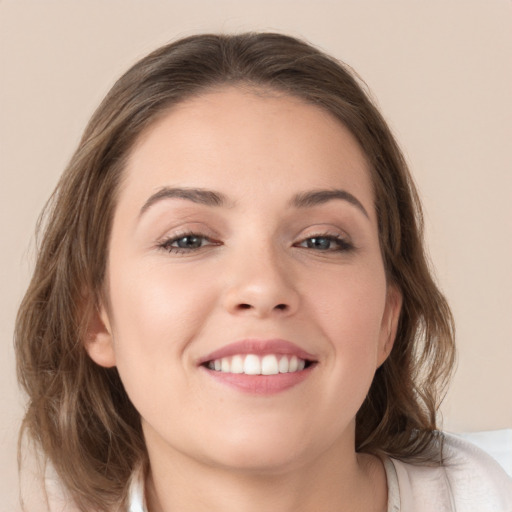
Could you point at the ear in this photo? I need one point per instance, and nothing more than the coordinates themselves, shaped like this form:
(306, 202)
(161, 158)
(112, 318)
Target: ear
(99, 342)
(389, 324)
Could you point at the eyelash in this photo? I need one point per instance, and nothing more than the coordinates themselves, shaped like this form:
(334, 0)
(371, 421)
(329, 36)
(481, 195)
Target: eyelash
(166, 244)
(342, 245)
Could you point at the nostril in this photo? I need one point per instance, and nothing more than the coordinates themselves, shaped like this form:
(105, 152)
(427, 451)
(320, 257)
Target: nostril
(280, 307)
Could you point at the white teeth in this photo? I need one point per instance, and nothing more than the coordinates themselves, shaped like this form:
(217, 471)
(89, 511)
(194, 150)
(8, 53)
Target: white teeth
(237, 364)
(251, 364)
(269, 365)
(224, 365)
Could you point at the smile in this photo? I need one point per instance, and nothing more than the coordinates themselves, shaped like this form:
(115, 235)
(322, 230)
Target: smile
(260, 367)
(252, 364)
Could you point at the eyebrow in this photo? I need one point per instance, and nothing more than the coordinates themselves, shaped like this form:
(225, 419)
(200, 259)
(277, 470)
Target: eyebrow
(318, 197)
(211, 198)
(196, 195)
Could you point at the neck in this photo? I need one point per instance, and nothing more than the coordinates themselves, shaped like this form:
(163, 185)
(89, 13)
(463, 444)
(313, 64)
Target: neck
(335, 481)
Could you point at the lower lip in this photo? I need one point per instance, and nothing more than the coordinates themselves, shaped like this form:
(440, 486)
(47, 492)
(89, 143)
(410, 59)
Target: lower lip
(260, 384)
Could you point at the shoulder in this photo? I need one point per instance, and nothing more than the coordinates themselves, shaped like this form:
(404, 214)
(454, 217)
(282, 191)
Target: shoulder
(476, 478)
(468, 481)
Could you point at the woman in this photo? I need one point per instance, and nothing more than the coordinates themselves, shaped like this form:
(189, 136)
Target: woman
(231, 306)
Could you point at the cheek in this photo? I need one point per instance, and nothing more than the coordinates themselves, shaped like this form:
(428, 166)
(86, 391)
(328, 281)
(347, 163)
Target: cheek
(156, 314)
(350, 301)
(350, 312)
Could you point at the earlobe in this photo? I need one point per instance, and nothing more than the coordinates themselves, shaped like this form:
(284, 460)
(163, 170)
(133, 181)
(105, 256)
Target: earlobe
(389, 322)
(99, 342)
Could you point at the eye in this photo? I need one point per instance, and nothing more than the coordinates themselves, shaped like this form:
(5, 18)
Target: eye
(326, 243)
(188, 242)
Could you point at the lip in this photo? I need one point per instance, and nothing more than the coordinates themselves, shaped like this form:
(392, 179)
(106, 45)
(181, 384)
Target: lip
(259, 348)
(259, 384)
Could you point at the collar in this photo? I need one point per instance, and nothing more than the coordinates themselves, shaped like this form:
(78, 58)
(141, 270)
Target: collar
(136, 498)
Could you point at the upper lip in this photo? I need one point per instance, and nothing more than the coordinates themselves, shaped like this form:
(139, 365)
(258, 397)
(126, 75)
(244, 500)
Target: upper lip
(258, 347)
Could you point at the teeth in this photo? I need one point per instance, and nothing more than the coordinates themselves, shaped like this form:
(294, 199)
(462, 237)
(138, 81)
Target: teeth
(237, 364)
(224, 365)
(269, 365)
(252, 364)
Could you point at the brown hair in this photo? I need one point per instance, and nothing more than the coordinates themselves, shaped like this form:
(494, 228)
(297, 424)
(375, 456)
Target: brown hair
(78, 412)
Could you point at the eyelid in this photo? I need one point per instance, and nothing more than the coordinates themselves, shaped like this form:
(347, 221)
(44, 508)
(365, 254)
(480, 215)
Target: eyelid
(185, 228)
(327, 230)
(330, 232)
(165, 243)
(197, 229)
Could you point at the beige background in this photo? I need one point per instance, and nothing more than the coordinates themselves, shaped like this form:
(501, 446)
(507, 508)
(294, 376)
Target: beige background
(441, 72)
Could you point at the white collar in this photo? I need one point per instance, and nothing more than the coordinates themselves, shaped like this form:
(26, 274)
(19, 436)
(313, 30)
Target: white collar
(136, 496)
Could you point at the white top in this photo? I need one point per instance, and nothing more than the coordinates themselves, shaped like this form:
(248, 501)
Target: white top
(470, 481)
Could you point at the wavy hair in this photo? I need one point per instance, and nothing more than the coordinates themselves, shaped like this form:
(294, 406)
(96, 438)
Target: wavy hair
(78, 412)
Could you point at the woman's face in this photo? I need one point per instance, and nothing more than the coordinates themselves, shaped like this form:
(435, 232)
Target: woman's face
(245, 242)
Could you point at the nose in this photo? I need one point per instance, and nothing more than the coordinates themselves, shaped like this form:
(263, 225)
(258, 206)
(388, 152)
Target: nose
(260, 285)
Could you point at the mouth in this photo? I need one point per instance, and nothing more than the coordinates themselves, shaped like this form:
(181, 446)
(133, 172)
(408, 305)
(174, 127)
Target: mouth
(253, 364)
(260, 367)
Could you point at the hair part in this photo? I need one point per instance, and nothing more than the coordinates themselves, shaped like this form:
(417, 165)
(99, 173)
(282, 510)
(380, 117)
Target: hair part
(79, 412)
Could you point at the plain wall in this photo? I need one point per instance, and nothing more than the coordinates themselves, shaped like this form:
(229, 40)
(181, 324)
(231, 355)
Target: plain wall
(441, 72)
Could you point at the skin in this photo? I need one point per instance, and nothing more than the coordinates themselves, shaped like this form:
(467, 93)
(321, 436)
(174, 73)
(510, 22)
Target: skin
(256, 275)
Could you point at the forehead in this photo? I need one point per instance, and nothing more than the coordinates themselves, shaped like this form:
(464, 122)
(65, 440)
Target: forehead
(242, 138)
